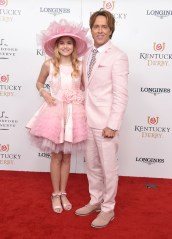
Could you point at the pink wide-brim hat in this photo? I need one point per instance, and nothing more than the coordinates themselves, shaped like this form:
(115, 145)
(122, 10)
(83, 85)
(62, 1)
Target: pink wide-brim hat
(62, 28)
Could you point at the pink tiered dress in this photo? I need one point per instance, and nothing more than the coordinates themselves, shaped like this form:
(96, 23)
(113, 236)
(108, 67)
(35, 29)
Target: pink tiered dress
(61, 127)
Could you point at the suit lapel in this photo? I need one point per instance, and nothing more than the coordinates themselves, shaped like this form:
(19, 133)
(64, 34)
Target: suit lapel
(100, 59)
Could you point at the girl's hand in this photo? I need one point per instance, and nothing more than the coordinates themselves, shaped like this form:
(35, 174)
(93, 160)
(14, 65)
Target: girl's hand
(48, 98)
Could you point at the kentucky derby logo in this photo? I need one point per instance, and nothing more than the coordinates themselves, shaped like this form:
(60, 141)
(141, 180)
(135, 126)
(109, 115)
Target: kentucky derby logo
(7, 158)
(158, 57)
(4, 147)
(109, 6)
(4, 78)
(7, 89)
(158, 46)
(153, 120)
(7, 15)
(3, 3)
(152, 130)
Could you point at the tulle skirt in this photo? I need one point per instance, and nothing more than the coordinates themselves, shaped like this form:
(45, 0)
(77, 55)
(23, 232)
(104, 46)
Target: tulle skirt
(59, 128)
(48, 146)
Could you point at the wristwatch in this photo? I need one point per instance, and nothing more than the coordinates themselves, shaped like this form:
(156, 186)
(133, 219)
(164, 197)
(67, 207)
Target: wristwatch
(112, 129)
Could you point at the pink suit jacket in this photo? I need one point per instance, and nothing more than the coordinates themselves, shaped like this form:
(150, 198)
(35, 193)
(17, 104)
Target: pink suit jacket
(106, 90)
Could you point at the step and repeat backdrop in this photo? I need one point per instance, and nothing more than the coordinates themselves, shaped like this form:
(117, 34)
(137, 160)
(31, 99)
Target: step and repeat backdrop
(143, 31)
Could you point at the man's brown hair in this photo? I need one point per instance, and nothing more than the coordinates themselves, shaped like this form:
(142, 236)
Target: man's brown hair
(110, 19)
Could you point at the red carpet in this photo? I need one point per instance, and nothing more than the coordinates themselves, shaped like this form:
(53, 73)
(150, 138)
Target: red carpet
(142, 211)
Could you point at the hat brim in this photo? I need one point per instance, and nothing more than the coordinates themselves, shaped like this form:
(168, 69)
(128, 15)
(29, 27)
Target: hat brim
(81, 45)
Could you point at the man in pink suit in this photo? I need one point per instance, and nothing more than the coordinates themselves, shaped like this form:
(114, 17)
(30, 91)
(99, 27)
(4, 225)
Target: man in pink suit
(105, 76)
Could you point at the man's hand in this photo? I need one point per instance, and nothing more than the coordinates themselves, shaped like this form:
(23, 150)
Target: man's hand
(108, 133)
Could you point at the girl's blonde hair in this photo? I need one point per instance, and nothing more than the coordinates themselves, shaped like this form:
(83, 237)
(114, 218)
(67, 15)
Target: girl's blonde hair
(74, 60)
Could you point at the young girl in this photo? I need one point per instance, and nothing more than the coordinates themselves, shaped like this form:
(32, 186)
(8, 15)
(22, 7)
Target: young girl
(59, 126)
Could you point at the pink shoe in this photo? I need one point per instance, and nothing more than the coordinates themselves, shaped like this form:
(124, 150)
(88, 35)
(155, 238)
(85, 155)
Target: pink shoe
(88, 209)
(103, 219)
(65, 202)
(56, 202)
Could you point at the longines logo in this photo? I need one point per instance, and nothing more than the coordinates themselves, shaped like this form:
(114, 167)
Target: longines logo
(152, 130)
(6, 157)
(54, 11)
(6, 51)
(6, 14)
(44, 155)
(149, 161)
(7, 89)
(110, 6)
(155, 91)
(157, 58)
(7, 123)
(159, 13)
